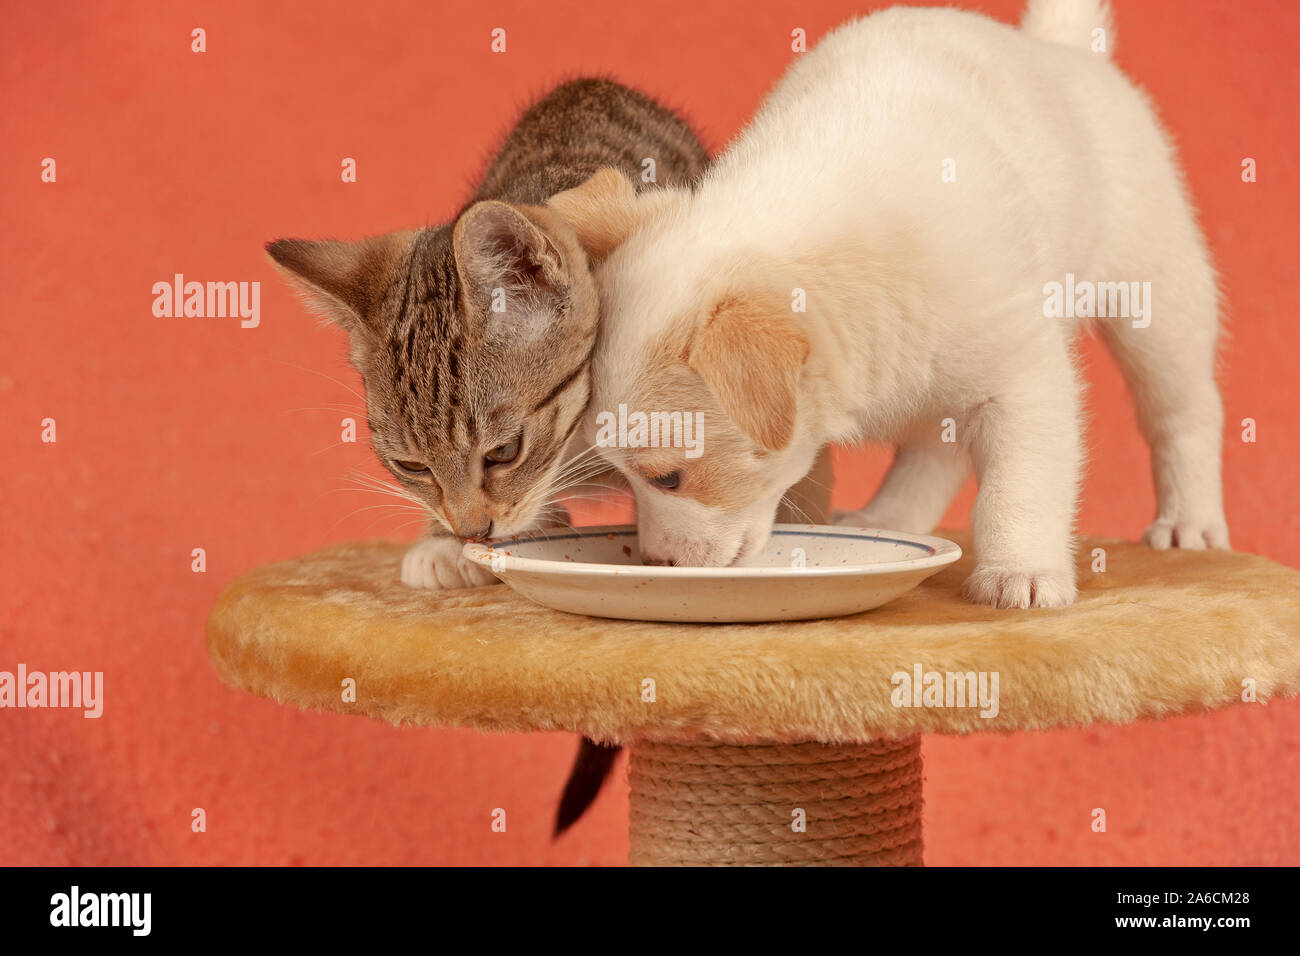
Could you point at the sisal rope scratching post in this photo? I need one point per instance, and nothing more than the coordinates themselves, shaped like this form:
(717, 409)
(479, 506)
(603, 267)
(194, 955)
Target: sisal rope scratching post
(707, 804)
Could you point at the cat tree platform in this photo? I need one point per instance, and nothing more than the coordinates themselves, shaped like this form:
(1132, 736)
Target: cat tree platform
(767, 743)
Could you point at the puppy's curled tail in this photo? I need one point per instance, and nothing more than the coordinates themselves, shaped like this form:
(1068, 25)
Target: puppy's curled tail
(1072, 23)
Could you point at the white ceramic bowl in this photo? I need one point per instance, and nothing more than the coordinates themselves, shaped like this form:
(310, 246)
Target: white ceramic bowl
(805, 572)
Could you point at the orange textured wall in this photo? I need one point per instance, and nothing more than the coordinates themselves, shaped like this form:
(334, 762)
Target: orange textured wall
(182, 433)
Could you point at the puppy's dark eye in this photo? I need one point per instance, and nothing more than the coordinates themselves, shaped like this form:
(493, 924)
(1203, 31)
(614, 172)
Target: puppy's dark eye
(412, 468)
(503, 454)
(667, 482)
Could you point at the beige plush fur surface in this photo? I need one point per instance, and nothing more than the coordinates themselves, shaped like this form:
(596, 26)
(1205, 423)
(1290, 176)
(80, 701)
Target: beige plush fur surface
(1157, 633)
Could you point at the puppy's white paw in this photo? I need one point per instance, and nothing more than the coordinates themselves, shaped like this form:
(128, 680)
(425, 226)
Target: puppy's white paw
(1003, 588)
(861, 518)
(1188, 535)
(437, 563)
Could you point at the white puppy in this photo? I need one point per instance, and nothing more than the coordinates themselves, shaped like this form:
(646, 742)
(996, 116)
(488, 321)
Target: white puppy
(895, 250)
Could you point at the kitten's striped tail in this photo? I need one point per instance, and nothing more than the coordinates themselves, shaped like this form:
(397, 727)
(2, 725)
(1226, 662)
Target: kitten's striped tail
(1071, 23)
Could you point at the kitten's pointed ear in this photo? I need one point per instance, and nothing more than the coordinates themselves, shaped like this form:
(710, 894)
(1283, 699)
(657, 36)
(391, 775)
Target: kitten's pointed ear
(503, 256)
(604, 211)
(750, 352)
(344, 280)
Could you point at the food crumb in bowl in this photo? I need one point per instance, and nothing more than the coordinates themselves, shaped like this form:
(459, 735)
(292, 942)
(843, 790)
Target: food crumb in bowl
(627, 551)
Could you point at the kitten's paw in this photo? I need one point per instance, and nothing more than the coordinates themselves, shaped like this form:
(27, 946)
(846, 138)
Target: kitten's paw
(1188, 535)
(1003, 588)
(437, 563)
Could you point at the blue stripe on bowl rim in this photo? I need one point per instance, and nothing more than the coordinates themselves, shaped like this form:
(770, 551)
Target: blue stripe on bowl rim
(602, 531)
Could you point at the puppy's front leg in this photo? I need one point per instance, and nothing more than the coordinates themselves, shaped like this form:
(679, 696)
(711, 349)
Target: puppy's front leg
(1026, 449)
(926, 475)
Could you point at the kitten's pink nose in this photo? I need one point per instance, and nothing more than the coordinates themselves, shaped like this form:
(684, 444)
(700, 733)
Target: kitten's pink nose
(482, 534)
(658, 562)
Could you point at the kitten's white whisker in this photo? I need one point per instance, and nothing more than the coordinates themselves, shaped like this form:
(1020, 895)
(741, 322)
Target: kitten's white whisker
(327, 448)
(328, 378)
(360, 510)
(365, 482)
(326, 408)
(799, 512)
(577, 476)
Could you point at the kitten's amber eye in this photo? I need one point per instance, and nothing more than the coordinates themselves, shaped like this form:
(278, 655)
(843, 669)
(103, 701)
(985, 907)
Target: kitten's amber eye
(412, 468)
(503, 454)
(667, 482)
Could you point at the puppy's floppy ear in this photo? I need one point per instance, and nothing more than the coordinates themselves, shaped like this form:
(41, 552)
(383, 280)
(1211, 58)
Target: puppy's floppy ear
(602, 212)
(750, 352)
(342, 280)
(502, 249)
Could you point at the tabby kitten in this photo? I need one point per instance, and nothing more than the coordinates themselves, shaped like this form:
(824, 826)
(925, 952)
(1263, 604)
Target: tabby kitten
(474, 338)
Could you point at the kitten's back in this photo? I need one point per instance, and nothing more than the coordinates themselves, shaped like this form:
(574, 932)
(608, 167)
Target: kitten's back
(583, 126)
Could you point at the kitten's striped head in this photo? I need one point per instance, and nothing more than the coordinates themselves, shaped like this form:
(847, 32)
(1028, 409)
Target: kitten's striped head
(474, 341)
